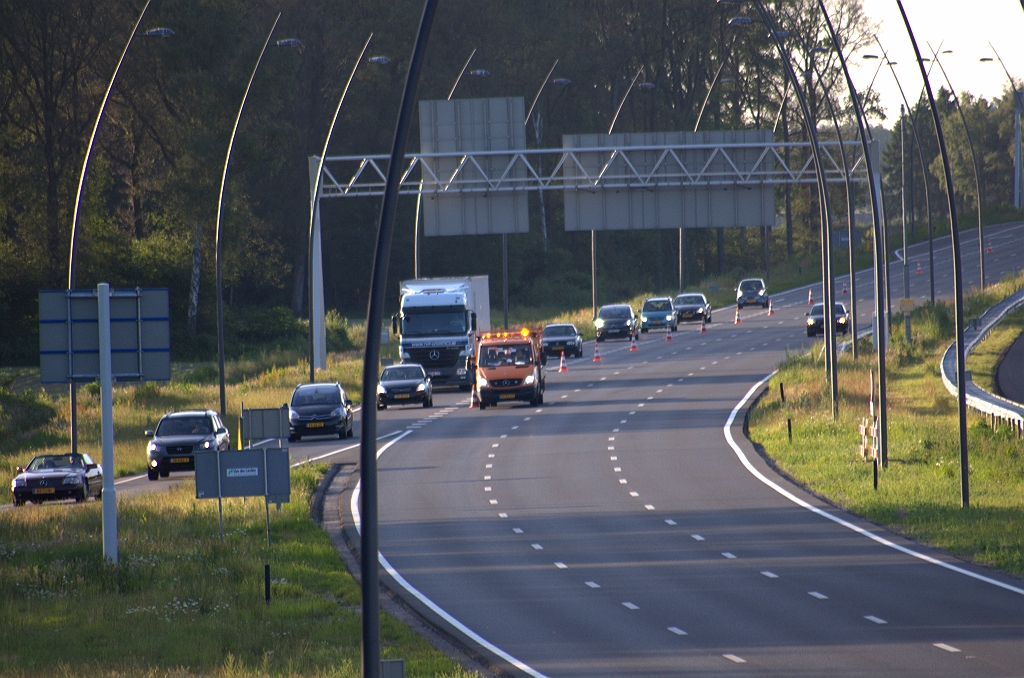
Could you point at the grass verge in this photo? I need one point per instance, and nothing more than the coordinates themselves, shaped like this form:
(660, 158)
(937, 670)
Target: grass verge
(919, 494)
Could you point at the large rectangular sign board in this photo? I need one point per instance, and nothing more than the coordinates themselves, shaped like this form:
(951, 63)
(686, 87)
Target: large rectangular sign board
(140, 335)
(472, 125)
(256, 472)
(693, 180)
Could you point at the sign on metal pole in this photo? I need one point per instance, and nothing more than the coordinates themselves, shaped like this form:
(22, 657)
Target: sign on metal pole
(466, 126)
(253, 472)
(669, 180)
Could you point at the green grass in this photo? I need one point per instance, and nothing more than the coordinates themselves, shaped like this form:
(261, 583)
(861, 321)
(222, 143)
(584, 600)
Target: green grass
(919, 492)
(181, 602)
(986, 356)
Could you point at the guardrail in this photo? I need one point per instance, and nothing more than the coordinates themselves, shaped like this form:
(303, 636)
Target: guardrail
(999, 410)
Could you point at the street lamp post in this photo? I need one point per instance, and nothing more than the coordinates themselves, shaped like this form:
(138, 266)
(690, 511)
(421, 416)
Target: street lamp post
(965, 497)
(218, 259)
(974, 162)
(1016, 128)
(314, 224)
(537, 136)
(72, 255)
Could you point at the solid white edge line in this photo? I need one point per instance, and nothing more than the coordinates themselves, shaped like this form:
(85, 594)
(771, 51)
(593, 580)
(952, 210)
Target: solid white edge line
(836, 519)
(437, 609)
(310, 460)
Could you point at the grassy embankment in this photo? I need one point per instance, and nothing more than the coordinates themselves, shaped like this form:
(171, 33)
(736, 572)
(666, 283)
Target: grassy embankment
(919, 493)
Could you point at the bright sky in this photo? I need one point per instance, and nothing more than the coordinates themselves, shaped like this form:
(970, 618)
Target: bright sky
(964, 26)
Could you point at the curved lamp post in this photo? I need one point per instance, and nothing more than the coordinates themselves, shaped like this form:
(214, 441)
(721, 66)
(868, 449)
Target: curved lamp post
(536, 133)
(974, 162)
(314, 222)
(368, 552)
(965, 496)
(1016, 127)
(220, 212)
(72, 258)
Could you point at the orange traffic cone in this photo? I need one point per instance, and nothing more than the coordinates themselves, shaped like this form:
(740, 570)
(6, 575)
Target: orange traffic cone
(632, 343)
(989, 250)
(919, 271)
(597, 353)
(668, 337)
(474, 401)
(810, 299)
(561, 365)
(703, 326)
(736, 320)
(845, 291)
(771, 311)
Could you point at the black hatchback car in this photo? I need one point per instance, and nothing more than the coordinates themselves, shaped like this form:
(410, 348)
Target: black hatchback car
(562, 337)
(319, 409)
(692, 306)
(816, 319)
(404, 384)
(179, 436)
(57, 476)
(616, 320)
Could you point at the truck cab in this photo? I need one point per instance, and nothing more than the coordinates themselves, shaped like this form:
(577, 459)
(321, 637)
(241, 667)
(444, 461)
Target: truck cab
(509, 368)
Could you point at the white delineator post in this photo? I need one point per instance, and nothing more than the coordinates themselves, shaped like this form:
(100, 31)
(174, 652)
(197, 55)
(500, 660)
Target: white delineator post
(107, 426)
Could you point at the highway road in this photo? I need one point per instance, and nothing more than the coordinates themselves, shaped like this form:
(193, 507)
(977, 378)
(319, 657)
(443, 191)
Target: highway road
(627, 527)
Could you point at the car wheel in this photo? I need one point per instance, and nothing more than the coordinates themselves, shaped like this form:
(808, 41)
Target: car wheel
(19, 502)
(83, 496)
(483, 406)
(99, 495)
(153, 474)
(426, 403)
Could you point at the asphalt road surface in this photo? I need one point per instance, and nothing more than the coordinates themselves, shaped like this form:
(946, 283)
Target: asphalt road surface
(627, 527)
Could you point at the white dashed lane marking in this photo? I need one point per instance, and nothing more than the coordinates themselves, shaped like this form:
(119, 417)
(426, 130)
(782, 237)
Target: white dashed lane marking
(770, 575)
(561, 566)
(697, 537)
(669, 521)
(947, 648)
(537, 547)
(630, 606)
(728, 555)
(517, 530)
(734, 658)
(819, 596)
(873, 618)
(676, 630)
(593, 584)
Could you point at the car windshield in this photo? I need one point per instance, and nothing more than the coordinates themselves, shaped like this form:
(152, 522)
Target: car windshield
(417, 324)
(818, 309)
(611, 312)
(559, 331)
(657, 305)
(316, 395)
(840, 309)
(185, 426)
(506, 354)
(402, 373)
(690, 299)
(750, 285)
(57, 461)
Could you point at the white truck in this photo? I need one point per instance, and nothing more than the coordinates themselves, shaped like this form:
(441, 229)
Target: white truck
(437, 323)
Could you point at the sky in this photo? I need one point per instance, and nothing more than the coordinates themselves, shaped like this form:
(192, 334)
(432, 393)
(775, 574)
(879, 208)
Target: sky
(964, 26)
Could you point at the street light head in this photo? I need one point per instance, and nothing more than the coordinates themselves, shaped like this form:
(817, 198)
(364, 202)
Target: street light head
(946, 51)
(819, 50)
(289, 42)
(480, 73)
(379, 60)
(781, 34)
(986, 59)
(870, 56)
(562, 81)
(740, 21)
(646, 85)
(159, 33)
(726, 81)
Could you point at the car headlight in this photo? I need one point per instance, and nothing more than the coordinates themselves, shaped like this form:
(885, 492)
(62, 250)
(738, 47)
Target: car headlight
(420, 388)
(153, 447)
(668, 317)
(293, 416)
(760, 293)
(810, 321)
(529, 380)
(381, 390)
(842, 321)
(643, 318)
(481, 382)
(19, 482)
(207, 444)
(599, 323)
(153, 463)
(339, 412)
(72, 480)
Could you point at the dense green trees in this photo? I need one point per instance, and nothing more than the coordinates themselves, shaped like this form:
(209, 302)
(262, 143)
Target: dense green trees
(152, 187)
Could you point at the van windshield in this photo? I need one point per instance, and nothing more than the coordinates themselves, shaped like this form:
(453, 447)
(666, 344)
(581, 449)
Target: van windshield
(506, 354)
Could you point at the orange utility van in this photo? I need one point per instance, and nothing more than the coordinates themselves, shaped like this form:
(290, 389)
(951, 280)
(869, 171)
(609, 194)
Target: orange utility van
(509, 367)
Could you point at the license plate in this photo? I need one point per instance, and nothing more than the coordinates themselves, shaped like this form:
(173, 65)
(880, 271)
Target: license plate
(399, 396)
(180, 460)
(558, 347)
(508, 396)
(434, 373)
(657, 322)
(43, 490)
(315, 424)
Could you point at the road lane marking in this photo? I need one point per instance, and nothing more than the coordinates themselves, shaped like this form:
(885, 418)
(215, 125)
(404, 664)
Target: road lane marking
(561, 566)
(495, 445)
(503, 515)
(611, 448)
(630, 606)
(634, 493)
(593, 584)
(947, 648)
(614, 458)
(487, 477)
(489, 466)
(537, 547)
(611, 438)
(834, 518)
(617, 469)
(517, 530)
(490, 456)
(819, 596)
(487, 488)
(669, 521)
(493, 502)
(769, 574)
(697, 537)
(676, 630)
(873, 618)
(649, 507)
(622, 481)
(345, 449)
(734, 658)
(504, 435)
(728, 555)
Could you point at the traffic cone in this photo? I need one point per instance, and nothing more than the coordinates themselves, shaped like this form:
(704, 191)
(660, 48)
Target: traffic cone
(771, 311)
(703, 326)
(736, 320)
(668, 337)
(989, 250)
(919, 271)
(561, 365)
(632, 343)
(810, 299)
(474, 401)
(845, 291)
(597, 353)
